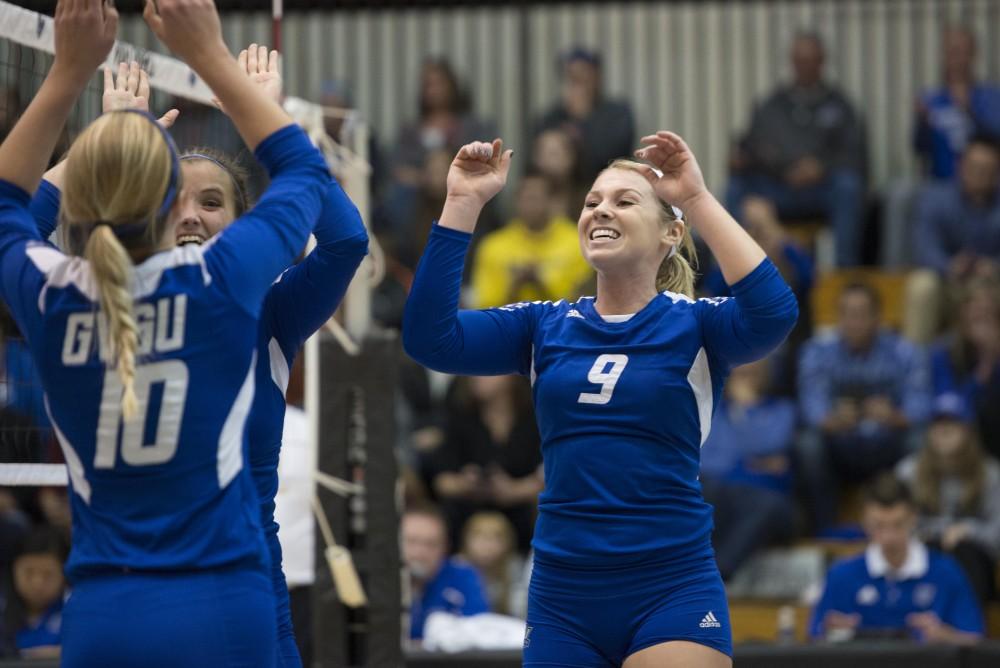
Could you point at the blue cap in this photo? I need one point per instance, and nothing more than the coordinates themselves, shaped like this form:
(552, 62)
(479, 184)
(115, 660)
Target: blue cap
(580, 53)
(951, 406)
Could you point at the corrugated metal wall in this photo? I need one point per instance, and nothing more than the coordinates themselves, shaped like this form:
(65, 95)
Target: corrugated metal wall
(692, 67)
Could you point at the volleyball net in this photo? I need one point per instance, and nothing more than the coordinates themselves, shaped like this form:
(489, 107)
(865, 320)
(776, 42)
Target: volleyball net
(29, 454)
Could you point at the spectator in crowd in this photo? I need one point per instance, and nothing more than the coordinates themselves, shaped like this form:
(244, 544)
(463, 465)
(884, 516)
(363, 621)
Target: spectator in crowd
(445, 123)
(437, 583)
(746, 463)
(556, 155)
(489, 544)
(862, 393)
(897, 587)
(957, 236)
(536, 256)
(805, 151)
(958, 224)
(947, 117)
(490, 459)
(956, 487)
(602, 128)
(967, 362)
(34, 610)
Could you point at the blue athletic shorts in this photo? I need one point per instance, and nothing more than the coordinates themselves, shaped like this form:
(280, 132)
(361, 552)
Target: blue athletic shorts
(598, 618)
(221, 619)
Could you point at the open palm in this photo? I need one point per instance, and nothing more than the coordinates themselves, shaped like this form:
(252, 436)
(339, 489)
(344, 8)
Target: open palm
(681, 178)
(263, 69)
(130, 90)
(479, 171)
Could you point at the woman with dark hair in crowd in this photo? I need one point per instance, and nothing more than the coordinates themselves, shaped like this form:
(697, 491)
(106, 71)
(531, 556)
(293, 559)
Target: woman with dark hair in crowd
(956, 487)
(556, 155)
(445, 120)
(33, 618)
(968, 361)
(490, 458)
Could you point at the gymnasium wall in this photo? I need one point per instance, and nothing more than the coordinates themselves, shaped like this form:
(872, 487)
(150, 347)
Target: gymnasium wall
(693, 67)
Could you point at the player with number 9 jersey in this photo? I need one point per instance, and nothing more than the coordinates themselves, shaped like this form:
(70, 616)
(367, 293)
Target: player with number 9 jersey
(147, 352)
(624, 387)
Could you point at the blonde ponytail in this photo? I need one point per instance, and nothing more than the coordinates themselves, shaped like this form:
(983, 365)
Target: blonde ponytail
(118, 173)
(676, 273)
(112, 268)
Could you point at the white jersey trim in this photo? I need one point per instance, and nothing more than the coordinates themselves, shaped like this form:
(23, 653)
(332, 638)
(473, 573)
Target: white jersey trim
(700, 380)
(77, 475)
(62, 270)
(230, 454)
(279, 365)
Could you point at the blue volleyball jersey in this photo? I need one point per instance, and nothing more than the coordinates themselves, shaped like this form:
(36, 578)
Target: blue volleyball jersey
(622, 407)
(168, 490)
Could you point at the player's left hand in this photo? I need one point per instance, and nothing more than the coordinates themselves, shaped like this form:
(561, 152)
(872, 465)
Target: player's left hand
(131, 91)
(682, 181)
(262, 66)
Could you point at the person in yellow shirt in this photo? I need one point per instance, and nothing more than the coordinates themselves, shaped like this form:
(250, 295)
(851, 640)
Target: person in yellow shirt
(535, 256)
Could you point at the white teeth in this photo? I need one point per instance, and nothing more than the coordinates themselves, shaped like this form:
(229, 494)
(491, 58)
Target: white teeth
(190, 239)
(604, 233)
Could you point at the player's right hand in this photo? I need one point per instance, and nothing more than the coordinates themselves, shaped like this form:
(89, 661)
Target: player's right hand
(479, 171)
(189, 28)
(130, 91)
(85, 31)
(263, 68)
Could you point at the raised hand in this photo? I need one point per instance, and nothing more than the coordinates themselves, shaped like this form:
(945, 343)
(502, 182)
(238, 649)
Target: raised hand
(263, 68)
(84, 34)
(479, 172)
(682, 181)
(130, 91)
(189, 28)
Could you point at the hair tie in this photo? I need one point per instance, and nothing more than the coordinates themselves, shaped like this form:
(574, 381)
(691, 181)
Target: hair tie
(125, 231)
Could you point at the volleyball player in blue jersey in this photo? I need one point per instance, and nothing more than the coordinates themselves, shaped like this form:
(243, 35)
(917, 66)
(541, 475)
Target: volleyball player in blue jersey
(147, 355)
(213, 195)
(624, 386)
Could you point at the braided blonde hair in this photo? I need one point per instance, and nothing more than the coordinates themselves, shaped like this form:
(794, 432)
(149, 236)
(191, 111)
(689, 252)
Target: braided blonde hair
(676, 272)
(118, 172)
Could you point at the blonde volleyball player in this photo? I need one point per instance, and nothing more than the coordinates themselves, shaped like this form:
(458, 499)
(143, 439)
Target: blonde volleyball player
(147, 353)
(624, 385)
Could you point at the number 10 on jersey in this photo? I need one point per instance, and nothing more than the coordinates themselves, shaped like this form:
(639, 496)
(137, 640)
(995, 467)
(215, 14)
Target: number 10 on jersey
(607, 378)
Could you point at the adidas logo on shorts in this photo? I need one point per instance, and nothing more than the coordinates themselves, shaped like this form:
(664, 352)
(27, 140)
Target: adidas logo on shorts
(710, 622)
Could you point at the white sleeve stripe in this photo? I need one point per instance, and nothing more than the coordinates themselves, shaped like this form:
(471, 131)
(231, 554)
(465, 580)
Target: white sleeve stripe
(279, 365)
(76, 473)
(230, 453)
(700, 380)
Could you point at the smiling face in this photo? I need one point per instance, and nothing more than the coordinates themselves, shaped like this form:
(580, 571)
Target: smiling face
(206, 204)
(622, 226)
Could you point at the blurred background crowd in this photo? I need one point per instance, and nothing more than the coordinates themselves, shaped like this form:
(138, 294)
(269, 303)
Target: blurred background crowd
(874, 430)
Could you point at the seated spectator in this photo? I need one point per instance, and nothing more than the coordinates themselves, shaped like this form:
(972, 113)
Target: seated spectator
(897, 587)
(491, 457)
(746, 463)
(34, 612)
(956, 236)
(604, 129)
(760, 219)
(805, 152)
(967, 362)
(489, 544)
(958, 224)
(556, 156)
(437, 583)
(535, 256)
(956, 487)
(862, 393)
(445, 123)
(947, 117)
